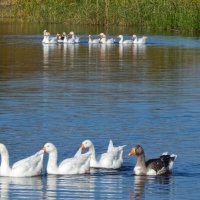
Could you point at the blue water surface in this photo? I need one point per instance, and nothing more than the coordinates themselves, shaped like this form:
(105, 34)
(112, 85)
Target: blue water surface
(135, 94)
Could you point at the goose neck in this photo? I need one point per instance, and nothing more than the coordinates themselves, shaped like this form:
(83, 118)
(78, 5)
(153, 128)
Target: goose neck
(52, 162)
(141, 162)
(5, 161)
(65, 38)
(121, 40)
(92, 151)
(90, 40)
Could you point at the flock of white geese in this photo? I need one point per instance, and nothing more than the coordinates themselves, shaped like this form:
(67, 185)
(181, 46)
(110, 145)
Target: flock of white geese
(71, 38)
(83, 161)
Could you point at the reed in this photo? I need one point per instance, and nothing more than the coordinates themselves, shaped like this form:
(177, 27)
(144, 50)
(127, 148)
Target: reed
(151, 14)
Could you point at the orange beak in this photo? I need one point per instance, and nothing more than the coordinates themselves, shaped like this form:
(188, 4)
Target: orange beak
(82, 146)
(44, 149)
(132, 152)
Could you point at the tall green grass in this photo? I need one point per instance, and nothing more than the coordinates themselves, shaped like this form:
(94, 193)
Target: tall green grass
(152, 14)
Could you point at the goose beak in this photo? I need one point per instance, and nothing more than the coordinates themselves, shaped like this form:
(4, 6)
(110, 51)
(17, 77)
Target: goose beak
(44, 149)
(132, 152)
(82, 146)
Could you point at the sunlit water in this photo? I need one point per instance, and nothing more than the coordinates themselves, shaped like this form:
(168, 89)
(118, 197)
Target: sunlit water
(147, 95)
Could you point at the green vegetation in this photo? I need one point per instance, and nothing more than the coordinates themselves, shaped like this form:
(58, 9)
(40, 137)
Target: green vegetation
(152, 14)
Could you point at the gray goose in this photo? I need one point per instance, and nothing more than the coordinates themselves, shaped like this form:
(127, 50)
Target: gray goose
(159, 166)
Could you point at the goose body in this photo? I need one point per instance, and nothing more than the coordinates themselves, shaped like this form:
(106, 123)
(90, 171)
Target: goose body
(61, 37)
(122, 41)
(79, 164)
(112, 159)
(47, 39)
(30, 166)
(137, 40)
(66, 39)
(74, 39)
(103, 39)
(159, 166)
(44, 36)
(93, 41)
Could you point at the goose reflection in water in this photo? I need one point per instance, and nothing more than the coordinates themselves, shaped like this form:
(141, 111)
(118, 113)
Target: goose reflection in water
(17, 187)
(47, 49)
(73, 187)
(148, 185)
(136, 51)
(139, 50)
(124, 50)
(108, 184)
(106, 50)
(70, 52)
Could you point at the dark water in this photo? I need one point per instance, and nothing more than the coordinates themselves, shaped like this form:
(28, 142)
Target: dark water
(147, 95)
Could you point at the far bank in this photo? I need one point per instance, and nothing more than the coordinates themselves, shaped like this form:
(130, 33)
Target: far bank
(158, 15)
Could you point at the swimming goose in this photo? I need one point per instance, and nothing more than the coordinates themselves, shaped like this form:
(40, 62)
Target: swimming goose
(45, 36)
(74, 38)
(94, 41)
(79, 164)
(31, 166)
(65, 38)
(122, 41)
(112, 159)
(158, 166)
(60, 37)
(104, 41)
(137, 40)
(47, 39)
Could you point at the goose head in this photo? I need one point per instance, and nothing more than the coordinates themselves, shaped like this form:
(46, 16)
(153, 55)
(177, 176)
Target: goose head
(48, 147)
(137, 150)
(86, 144)
(102, 35)
(134, 36)
(58, 35)
(71, 33)
(120, 36)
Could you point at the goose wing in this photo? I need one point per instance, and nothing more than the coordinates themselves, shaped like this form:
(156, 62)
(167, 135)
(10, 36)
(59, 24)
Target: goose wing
(30, 166)
(162, 165)
(76, 165)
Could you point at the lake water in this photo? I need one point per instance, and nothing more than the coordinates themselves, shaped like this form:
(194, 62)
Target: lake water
(147, 95)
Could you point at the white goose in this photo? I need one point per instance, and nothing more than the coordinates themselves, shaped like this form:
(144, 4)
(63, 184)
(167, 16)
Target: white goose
(104, 41)
(47, 39)
(141, 40)
(112, 159)
(65, 40)
(94, 41)
(31, 166)
(74, 38)
(79, 164)
(45, 36)
(122, 41)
